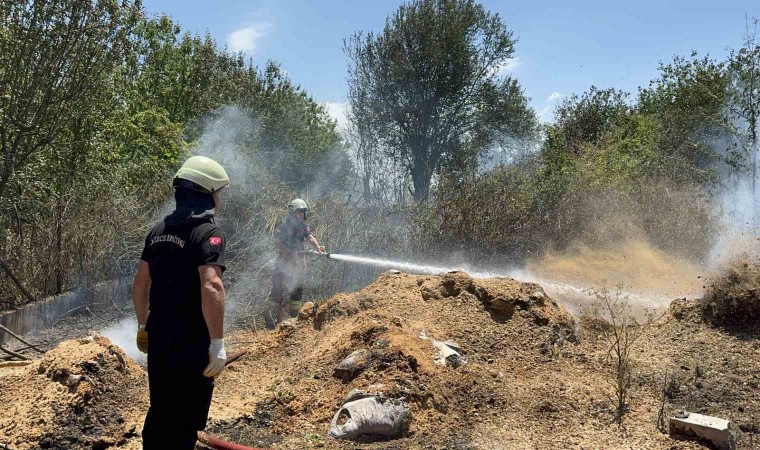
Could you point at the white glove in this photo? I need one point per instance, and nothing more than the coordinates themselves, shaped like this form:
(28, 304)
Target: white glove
(217, 357)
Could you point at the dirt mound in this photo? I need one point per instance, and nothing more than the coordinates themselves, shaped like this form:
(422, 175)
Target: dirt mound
(84, 394)
(686, 310)
(290, 388)
(733, 298)
(703, 368)
(527, 380)
(520, 378)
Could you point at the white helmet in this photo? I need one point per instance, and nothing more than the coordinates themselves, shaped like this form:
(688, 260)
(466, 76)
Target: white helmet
(206, 173)
(297, 204)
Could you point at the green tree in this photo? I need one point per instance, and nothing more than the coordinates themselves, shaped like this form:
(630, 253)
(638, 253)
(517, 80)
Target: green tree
(586, 118)
(297, 133)
(191, 79)
(56, 60)
(433, 82)
(688, 100)
(179, 73)
(582, 122)
(56, 57)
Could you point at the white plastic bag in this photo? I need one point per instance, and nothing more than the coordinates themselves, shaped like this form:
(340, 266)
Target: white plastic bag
(370, 415)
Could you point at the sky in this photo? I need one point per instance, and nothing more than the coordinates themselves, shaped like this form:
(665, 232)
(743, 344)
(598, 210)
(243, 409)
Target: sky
(564, 46)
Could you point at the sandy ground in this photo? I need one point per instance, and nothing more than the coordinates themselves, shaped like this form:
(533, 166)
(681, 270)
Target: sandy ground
(534, 378)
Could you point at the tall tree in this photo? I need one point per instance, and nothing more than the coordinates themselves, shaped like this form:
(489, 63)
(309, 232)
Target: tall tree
(584, 119)
(362, 139)
(580, 121)
(434, 81)
(689, 102)
(56, 61)
(56, 57)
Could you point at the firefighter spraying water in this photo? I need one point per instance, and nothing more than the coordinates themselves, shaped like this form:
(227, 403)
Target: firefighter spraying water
(289, 269)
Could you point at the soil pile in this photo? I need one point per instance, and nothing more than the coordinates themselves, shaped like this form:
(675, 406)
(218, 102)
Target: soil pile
(532, 378)
(83, 394)
(733, 297)
(525, 375)
(703, 368)
(507, 331)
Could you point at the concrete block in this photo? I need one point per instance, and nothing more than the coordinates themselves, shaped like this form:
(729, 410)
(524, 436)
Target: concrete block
(713, 429)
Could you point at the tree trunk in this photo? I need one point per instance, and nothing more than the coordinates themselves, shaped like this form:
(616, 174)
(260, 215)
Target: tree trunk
(421, 177)
(6, 268)
(12, 353)
(366, 163)
(5, 160)
(59, 248)
(4, 178)
(754, 188)
(367, 189)
(425, 162)
(19, 338)
(754, 149)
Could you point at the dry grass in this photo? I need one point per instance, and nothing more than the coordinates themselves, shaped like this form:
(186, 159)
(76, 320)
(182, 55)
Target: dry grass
(621, 335)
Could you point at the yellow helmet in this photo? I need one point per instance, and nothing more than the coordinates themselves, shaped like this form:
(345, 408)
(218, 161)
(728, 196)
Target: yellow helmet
(204, 172)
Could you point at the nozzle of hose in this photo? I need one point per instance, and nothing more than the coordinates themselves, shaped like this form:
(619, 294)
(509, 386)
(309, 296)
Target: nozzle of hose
(315, 253)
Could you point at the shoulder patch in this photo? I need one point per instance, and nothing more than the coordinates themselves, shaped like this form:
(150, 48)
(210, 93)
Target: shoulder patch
(215, 240)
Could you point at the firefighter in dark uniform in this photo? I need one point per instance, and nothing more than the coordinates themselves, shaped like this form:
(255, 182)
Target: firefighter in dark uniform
(289, 270)
(179, 301)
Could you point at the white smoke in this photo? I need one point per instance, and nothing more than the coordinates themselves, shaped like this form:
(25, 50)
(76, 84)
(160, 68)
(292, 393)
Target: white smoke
(227, 138)
(123, 334)
(230, 138)
(737, 201)
(738, 234)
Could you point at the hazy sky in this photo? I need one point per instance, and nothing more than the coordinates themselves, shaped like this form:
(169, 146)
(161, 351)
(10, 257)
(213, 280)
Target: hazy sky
(564, 46)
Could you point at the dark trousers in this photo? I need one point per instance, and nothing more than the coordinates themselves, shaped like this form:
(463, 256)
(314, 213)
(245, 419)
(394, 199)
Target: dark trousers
(180, 396)
(288, 274)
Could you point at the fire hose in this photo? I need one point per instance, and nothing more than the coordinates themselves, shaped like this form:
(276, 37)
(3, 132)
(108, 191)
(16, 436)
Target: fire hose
(314, 253)
(219, 444)
(234, 356)
(213, 441)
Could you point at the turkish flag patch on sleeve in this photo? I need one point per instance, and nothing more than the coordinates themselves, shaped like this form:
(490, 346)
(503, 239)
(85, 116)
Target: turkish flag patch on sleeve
(214, 240)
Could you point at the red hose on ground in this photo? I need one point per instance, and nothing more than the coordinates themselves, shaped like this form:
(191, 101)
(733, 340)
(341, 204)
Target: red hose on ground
(213, 441)
(218, 444)
(233, 357)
